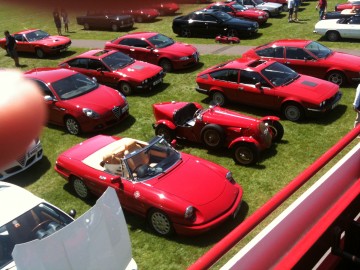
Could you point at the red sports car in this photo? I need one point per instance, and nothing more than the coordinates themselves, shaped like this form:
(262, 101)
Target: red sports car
(240, 11)
(142, 15)
(38, 42)
(268, 84)
(216, 127)
(77, 102)
(174, 191)
(166, 8)
(348, 5)
(310, 58)
(157, 49)
(117, 70)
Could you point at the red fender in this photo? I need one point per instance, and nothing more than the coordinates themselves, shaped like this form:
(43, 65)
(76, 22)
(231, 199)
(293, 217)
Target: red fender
(244, 139)
(167, 123)
(270, 117)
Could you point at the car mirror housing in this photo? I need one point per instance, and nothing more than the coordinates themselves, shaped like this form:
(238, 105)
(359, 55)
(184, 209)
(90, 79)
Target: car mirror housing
(49, 98)
(258, 86)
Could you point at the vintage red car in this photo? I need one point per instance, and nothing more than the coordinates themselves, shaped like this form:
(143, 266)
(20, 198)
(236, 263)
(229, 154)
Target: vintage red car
(117, 70)
(310, 58)
(142, 15)
(157, 49)
(348, 5)
(227, 39)
(217, 127)
(78, 102)
(38, 42)
(270, 85)
(174, 191)
(237, 10)
(166, 8)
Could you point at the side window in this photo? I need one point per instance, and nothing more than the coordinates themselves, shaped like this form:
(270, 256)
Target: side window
(44, 88)
(134, 42)
(296, 53)
(276, 52)
(229, 75)
(227, 9)
(209, 18)
(251, 77)
(197, 17)
(217, 8)
(79, 63)
(96, 65)
(19, 37)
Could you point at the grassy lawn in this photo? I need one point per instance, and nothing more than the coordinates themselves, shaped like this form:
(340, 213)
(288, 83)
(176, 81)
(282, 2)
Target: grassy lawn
(302, 143)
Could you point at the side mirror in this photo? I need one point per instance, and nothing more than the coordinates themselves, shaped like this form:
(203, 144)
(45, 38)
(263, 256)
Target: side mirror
(72, 213)
(94, 79)
(149, 48)
(49, 98)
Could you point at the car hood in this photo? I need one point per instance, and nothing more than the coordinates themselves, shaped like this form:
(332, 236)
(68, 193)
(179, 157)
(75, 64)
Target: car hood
(179, 49)
(53, 40)
(139, 70)
(344, 59)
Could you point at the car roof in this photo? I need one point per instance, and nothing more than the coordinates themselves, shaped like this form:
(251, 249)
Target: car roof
(96, 53)
(49, 75)
(287, 42)
(139, 35)
(244, 63)
(26, 31)
(14, 201)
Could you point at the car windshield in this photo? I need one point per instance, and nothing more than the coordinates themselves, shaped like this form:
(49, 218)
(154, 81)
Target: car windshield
(36, 35)
(223, 15)
(117, 60)
(259, 2)
(279, 74)
(152, 160)
(238, 7)
(161, 41)
(37, 223)
(319, 50)
(74, 86)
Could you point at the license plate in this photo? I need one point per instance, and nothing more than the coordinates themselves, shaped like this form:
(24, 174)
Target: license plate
(157, 82)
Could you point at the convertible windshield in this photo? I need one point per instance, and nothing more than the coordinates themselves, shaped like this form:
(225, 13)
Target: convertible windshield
(279, 74)
(319, 50)
(161, 41)
(152, 160)
(117, 60)
(74, 86)
(36, 35)
(37, 223)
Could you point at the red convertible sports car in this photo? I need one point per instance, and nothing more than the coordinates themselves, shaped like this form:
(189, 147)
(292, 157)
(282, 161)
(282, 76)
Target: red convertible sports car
(78, 102)
(310, 58)
(38, 42)
(216, 127)
(157, 49)
(348, 5)
(117, 70)
(174, 191)
(142, 15)
(270, 85)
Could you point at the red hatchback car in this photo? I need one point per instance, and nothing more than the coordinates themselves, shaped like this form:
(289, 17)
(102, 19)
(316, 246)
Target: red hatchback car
(157, 49)
(310, 58)
(142, 15)
(78, 102)
(117, 70)
(174, 191)
(217, 127)
(38, 42)
(240, 11)
(270, 85)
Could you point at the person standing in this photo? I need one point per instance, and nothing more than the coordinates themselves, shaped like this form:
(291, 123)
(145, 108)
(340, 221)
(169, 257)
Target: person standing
(321, 6)
(296, 9)
(57, 20)
(356, 105)
(11, 47)
(291, 4)
(65, 19)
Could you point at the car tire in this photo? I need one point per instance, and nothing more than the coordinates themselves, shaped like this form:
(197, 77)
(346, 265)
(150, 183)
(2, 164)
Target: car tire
(293, 111)
(218, 98)
(86, 26)
(232, 33)
(213, 136)
(185, 32)
(139, 19)
(39, 53)
(125, 88)
(72, 126)
(81, 190)
(245, 153)
(160, 222)
(166, 132)
(336, 77)
(277, 130)
(166, 65)
(332, 35)
(114, 27)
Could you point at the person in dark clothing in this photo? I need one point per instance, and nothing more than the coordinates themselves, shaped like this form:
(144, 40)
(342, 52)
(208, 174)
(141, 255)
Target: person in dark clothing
(321, 6)
(57, 20)
(11, 47)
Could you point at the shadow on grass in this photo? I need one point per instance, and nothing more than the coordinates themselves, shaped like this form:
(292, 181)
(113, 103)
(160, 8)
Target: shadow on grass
(69, 188)
(65, 54)
(193, 68)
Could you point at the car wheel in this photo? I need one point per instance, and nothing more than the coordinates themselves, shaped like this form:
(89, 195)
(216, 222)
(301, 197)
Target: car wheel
(72, 126)
(166, 65)
(277, 130)
(166, 132)
(125, 88)
(245, 153)
(86, 26)
(160, 222)
(218, 98)
(232, 33)
(293, 112)
(114, 27)
(139, 19)
(185, 32)
(333, 36)
(213, 136)
(39, 53)
(336, 77)
(80, 188)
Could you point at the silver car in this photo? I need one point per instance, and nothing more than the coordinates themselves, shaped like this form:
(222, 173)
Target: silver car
(273, 9)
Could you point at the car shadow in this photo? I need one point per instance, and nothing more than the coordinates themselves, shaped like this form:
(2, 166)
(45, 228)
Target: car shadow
(152, 92)
(198, 66)
(28, 55)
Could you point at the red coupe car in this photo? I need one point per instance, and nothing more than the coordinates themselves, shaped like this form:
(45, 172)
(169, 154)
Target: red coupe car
(38, 42)
(157, 49)
(270, 85)
(166, 8)
(142, 15)
(348, 5)
(174, 191)
(78, 102)
(310, 58)
(117, 70)
(216, 127)
(240, 11)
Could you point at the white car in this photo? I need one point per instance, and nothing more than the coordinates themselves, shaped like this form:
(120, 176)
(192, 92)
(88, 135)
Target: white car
(335, 29)
(32, 155)
(29, 226)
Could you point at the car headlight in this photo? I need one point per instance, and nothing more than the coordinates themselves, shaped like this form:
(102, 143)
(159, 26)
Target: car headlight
(322, 103)
(144, 82)
(90, 113)
(184, 58)
(189, 213)
(230, 177)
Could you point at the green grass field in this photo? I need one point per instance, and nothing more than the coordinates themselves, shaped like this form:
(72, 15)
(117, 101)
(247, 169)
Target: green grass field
(302, 144)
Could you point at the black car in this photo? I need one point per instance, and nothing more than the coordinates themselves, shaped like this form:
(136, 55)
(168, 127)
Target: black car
(104, 20)
(212, 23)
(341, 14)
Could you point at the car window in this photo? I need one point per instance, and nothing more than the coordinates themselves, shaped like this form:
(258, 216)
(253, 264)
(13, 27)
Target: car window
(229, 75)
(318, 49)
(209, 18)
(117, 60)
(196, 16)
(273, 52)
(44, 88)
(19, 37)
(79, 62)
(96, 65)
(161, 41)
(134, 42)
(36, 35)
(296, 53)
(252, 77)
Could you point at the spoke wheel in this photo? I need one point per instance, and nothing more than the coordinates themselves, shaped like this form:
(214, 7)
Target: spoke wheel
(218, 98)
(336, 77)
(40, 53)
(160, 222)
(80, 188)
(72, 126)
(166, 65)
(213, 136)
(185, 32)
(167, 133)
(277, 130)
(293, 112)
(245, 154)
(125, 88)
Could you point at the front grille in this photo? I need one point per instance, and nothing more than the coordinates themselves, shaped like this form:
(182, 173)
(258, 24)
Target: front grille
(117, 111)
(30, 160)
(22, 160)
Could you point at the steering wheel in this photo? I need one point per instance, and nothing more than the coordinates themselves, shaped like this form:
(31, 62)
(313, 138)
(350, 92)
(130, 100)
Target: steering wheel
(41, 224)
(142, 170)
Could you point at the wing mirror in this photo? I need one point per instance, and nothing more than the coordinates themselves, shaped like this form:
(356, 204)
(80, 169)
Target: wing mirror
(49, 98)
(258, 86)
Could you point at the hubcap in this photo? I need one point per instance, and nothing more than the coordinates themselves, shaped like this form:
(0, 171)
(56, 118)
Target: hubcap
(72, 126)
(212, 138)
(80, 188)
(160, 223)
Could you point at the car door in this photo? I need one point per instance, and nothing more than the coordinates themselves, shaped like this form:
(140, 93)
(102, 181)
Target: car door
(22, 45)
(227, 80)
(142, 50)
(103, 74)
(212, 25)
(197, 24)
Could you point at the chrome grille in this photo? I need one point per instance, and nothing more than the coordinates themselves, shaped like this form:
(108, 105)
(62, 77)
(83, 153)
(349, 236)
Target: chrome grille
(22, 160)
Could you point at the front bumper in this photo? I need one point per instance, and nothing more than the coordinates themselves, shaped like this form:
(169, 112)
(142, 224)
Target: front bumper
(330, 104)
